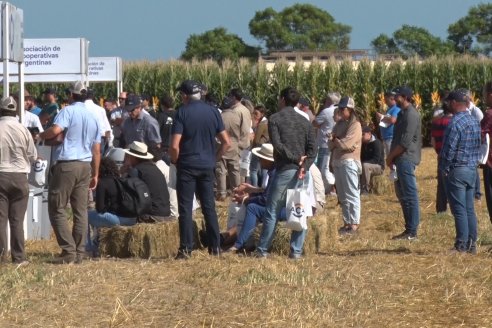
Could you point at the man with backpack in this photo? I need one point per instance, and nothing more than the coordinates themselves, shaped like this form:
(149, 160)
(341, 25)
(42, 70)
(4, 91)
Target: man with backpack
(141, 166)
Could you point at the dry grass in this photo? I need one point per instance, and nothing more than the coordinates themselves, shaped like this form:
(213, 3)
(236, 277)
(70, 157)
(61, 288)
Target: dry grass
(363, 281)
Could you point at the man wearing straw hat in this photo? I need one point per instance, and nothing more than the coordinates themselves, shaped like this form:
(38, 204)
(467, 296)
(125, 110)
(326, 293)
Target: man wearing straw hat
(193, 150)
(18, 152)
(141, 166)
(76, 170)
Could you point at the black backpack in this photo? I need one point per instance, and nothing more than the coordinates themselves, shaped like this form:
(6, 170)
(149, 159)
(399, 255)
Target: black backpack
(134, 197)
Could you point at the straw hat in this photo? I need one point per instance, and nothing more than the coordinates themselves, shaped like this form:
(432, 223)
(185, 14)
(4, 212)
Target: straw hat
(139, 150)
(265, 152)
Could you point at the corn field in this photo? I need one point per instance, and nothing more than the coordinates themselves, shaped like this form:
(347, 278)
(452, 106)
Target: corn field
(364, 81)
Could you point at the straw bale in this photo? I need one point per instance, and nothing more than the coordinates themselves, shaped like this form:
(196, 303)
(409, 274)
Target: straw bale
(381, 185)
(158, 240)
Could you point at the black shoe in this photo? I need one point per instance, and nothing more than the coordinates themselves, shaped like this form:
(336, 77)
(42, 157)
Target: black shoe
(405, 236)
(259, 255)
(472, 249)
(214, 252)
(80, 257)
(64, 258)
(183, 255)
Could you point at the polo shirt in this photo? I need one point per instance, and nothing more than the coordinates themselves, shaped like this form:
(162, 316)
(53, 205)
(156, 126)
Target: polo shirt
(198, 123)
(144, 129)
(81, 132)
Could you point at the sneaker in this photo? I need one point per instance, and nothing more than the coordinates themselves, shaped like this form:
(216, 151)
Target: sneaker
(80, 257)
(348, 232)
(232, 249)
(260, 255)
(405, 236)
(21, 263)
(295, 256)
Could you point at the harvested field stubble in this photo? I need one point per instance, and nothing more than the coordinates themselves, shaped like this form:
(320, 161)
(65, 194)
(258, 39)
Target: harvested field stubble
(365, 280)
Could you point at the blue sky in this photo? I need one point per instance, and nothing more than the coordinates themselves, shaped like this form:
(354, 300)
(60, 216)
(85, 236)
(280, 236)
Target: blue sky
(158, 29)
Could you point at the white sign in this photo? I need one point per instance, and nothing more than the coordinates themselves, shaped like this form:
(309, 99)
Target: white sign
(104, 69)
(12, 26)
(55, 56)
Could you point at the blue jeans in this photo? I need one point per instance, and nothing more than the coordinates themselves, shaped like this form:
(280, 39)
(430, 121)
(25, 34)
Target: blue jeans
(323, 164)
(407, 193)
(202, 181)
(99, 220)
(460, 187)
(348, 191)
(276, 198)
(256, 173)
(441, 197)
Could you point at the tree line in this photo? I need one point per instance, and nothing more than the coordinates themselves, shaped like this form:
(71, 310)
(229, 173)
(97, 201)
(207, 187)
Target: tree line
(307, 27)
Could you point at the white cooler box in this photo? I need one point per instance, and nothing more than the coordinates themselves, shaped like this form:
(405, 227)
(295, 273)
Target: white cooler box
(37, 221)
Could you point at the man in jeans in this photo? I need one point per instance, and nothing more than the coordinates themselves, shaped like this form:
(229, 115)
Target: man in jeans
(405, 154)
(460, 155)
(325, 122)
(195, 128)
(75, 172)
(294, 144)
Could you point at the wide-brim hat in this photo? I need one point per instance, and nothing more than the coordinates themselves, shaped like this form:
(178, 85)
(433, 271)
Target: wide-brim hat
(265, 152)
(139, 150)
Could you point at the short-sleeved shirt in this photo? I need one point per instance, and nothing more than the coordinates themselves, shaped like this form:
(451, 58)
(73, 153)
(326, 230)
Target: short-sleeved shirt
(32, 121)
(198, 123)
(81, 132)
(144, 129)
(35, 110)
(100, 114)
(387, 133)
(326, 123)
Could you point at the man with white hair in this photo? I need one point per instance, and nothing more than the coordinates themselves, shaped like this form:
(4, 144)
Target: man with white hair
(193, 151)
(324, 122)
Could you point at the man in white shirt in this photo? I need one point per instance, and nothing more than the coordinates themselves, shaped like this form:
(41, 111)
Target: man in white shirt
(100, 114)
(31, 120)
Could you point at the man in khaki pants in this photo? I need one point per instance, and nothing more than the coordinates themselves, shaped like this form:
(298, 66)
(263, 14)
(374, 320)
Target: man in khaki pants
(75, 172)
(18, 152)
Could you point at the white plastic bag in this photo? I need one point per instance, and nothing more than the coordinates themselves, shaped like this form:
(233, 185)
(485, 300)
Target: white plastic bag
(236, 215)
(37, 176)
(298, 207)
(484, 150)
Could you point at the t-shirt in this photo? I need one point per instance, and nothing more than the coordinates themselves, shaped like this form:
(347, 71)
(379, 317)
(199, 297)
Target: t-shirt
(81, 132)
(326, 123)
(198, 123)
(32, 121)
(387, 133)
(35, 110)
(51, 110)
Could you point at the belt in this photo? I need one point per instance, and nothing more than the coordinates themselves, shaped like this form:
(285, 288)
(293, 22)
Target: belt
(68, 161)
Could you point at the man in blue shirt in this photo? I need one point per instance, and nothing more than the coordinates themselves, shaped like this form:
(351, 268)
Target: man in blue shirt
(459, 158)
(389, 120)
(75, 171)
(193, 150)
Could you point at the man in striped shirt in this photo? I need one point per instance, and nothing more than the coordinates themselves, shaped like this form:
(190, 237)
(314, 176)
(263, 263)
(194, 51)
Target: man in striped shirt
(460, 155)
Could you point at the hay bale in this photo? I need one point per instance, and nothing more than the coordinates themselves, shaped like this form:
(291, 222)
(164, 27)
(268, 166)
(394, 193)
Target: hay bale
(158, 240)
(381, 185)
(317, 237)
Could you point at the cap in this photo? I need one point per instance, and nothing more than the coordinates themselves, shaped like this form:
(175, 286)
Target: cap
(145, 97)
(304, 101)
(8, 103)
(403, 91)
(189, 87)
(458, 96)
(132, 102)
(346, 102)
(78, 88)
(366, 129)
(49, 91)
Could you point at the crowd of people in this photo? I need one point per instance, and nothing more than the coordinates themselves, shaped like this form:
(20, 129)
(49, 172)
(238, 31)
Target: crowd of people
(175, 160)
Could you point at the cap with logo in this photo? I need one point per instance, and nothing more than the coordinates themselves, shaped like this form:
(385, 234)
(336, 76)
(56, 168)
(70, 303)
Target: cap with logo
(8, 103)
(346, 102)
(189, 87)
(403, 91)
(78, 88)
(458, 96)
(132, 102)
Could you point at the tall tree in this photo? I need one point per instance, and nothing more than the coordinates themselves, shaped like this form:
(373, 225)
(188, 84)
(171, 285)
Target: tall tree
(301, 26)
(410, 41)
(473, 33)
(217, 44)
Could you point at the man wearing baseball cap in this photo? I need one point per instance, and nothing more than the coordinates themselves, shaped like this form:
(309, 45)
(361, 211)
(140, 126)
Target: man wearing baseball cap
(459, 158)
(193, 150)
(139, 126)
(76, 170)
(405, 154)
(17, 155)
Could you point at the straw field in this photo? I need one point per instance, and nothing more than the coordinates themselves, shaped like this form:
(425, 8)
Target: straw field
(365, 280)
